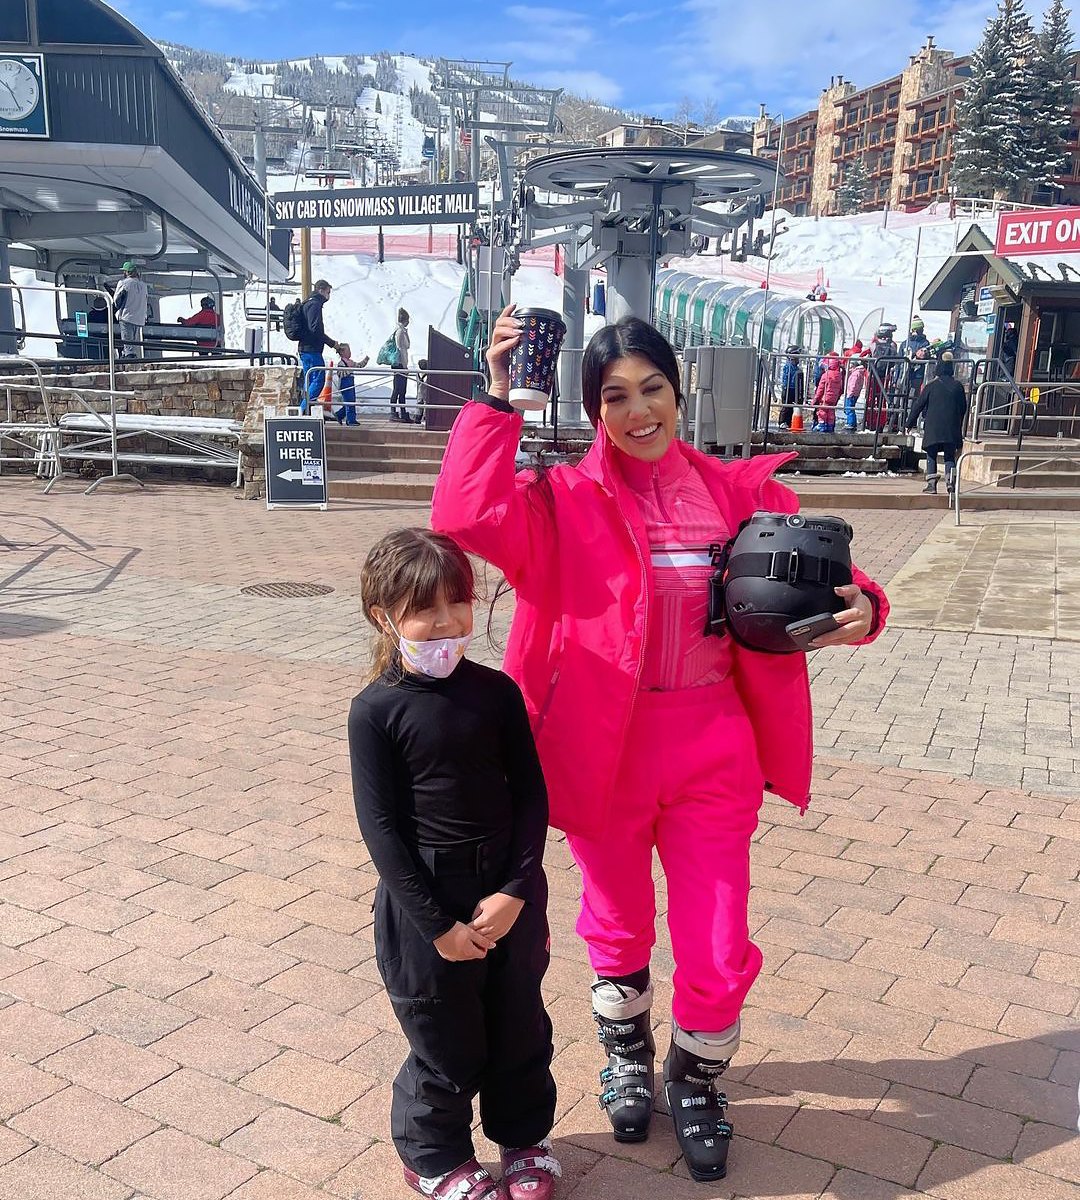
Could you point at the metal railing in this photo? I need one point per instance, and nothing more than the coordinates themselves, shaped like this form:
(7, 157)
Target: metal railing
(373, 377)
(48, 451)
(1039, 457)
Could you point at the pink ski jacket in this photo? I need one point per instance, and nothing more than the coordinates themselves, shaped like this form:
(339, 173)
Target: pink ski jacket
(831, 385)
(574, 548)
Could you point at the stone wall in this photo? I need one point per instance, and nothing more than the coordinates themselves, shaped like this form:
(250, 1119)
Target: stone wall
(926, 73)
(823, 185)
(223, 392)
(275, 388)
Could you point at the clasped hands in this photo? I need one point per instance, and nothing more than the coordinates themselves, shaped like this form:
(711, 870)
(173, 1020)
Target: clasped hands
(492, 919)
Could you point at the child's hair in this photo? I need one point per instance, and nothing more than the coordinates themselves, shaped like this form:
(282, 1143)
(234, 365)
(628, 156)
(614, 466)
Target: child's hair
(406, 570)
(344, 350)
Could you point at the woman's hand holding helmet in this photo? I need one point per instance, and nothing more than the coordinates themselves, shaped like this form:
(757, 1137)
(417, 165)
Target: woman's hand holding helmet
(504, 337)
(854, 621)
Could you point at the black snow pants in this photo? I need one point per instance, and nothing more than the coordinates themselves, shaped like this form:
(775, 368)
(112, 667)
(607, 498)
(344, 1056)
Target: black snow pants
(474, 1028)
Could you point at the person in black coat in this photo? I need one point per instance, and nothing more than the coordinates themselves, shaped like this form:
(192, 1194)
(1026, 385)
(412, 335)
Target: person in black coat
(945, 404)
(311, 344)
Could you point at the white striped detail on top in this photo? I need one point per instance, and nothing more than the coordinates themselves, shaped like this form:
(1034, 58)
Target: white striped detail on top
(680, 558)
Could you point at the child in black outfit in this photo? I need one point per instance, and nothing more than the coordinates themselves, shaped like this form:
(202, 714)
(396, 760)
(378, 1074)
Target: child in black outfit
(451, 803)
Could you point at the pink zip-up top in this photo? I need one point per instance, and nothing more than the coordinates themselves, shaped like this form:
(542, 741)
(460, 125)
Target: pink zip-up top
(575, 547)
(681, 521)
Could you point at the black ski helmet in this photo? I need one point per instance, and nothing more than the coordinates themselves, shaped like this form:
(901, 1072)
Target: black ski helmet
(208, 302)
(782, 568)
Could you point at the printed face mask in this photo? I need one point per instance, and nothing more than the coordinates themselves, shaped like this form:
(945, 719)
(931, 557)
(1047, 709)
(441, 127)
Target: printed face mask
(437, 657)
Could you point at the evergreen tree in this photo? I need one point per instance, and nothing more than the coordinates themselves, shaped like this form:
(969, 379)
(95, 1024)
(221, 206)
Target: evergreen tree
(992, 155)
(851, 194)
(1055, 90)
(378, 104)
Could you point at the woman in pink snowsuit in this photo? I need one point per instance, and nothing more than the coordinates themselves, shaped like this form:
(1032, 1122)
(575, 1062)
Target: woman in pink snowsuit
(829, 390)
(651, 734)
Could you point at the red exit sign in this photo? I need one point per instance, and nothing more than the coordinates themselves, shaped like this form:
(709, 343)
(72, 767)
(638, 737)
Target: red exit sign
(1040, 231)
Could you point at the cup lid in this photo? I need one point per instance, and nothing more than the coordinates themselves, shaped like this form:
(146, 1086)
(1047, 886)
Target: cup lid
(548, 314)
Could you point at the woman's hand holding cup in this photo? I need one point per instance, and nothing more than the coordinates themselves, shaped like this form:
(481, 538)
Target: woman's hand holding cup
(504, 337)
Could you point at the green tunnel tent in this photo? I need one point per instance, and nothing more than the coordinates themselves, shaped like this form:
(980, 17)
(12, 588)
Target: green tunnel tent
(672, 297)
(693, 311)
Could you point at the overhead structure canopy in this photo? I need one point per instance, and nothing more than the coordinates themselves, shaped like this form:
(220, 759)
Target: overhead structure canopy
(105, 155)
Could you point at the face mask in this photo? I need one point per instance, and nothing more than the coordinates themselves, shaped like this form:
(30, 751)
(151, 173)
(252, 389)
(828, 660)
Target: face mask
(436, 658)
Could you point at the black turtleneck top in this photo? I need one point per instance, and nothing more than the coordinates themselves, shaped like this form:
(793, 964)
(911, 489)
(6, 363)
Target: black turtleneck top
(446, 762)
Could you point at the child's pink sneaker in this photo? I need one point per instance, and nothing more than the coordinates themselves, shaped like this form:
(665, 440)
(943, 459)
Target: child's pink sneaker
(530, 1173)
(470, 1181)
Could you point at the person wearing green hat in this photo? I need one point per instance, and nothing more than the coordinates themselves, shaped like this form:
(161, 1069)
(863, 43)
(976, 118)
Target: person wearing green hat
(130, 300)
(916, 350)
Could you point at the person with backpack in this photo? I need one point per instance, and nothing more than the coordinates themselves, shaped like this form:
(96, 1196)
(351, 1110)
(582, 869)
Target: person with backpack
(303, 324)
(401, 369)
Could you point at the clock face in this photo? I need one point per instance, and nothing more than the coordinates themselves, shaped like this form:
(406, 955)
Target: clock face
(19, 90)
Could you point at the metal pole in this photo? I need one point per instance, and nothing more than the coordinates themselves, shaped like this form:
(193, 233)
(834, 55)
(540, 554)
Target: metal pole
(9, 343)
(772, 239)
(474, 145)
(305, 262)
(914, 278)
(575, 288)
(451, 149)
(259, 146)
(266, 247)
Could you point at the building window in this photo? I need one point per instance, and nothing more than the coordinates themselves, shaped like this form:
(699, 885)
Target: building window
(14, 26)
(629, 135)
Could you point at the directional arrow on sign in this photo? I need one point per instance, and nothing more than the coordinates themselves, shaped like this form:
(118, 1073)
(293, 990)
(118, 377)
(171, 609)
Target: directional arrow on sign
(290, 475)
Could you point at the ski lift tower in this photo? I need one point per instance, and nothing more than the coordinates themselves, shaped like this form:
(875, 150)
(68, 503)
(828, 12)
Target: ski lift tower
(626, 209)
(483, 99)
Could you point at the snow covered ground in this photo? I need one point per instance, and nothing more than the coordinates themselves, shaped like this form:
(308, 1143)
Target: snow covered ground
(867, 262)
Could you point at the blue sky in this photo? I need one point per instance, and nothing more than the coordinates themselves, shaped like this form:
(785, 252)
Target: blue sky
(640, 54)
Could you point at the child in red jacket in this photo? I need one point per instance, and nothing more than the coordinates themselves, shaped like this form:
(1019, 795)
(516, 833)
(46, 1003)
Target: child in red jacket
(829, 390)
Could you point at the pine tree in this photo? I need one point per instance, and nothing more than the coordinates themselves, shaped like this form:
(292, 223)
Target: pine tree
(851, 194)
(378, 104)
(1055, 91)
(992, 157)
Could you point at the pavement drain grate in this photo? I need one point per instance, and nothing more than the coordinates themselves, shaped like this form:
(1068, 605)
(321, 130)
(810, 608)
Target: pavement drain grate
(286, 591)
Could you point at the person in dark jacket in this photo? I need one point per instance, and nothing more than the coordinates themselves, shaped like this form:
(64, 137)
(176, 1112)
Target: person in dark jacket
(945, 404)
(312, 343)
(792, 386)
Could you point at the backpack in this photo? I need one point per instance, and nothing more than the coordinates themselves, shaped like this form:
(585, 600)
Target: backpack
(389, 355)
(293, 322)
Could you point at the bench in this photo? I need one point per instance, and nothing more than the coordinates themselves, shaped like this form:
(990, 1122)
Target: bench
(190, 440)
(95, 345)
(257, 316)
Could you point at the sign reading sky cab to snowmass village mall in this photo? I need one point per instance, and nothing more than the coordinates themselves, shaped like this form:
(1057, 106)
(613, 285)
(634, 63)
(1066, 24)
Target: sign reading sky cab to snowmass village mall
(431, 204)
(1039, 231)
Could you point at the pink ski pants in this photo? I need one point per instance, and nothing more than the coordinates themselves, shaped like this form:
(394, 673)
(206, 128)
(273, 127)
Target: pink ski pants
(690, 785)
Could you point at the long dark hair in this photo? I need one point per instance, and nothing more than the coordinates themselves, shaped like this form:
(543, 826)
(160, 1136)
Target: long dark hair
(631, 335)
(410, 567)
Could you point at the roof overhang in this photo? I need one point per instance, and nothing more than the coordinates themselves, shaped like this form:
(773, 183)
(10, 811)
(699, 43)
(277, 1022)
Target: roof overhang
(112, 201)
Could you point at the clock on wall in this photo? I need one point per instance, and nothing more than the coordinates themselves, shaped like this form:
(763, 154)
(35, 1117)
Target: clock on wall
(23, 110)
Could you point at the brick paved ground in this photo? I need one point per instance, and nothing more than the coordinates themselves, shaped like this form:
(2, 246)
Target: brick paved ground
(189, 1006)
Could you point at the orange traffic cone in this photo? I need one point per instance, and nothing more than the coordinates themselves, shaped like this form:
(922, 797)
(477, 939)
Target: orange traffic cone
(327, 393)
(796, 421)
